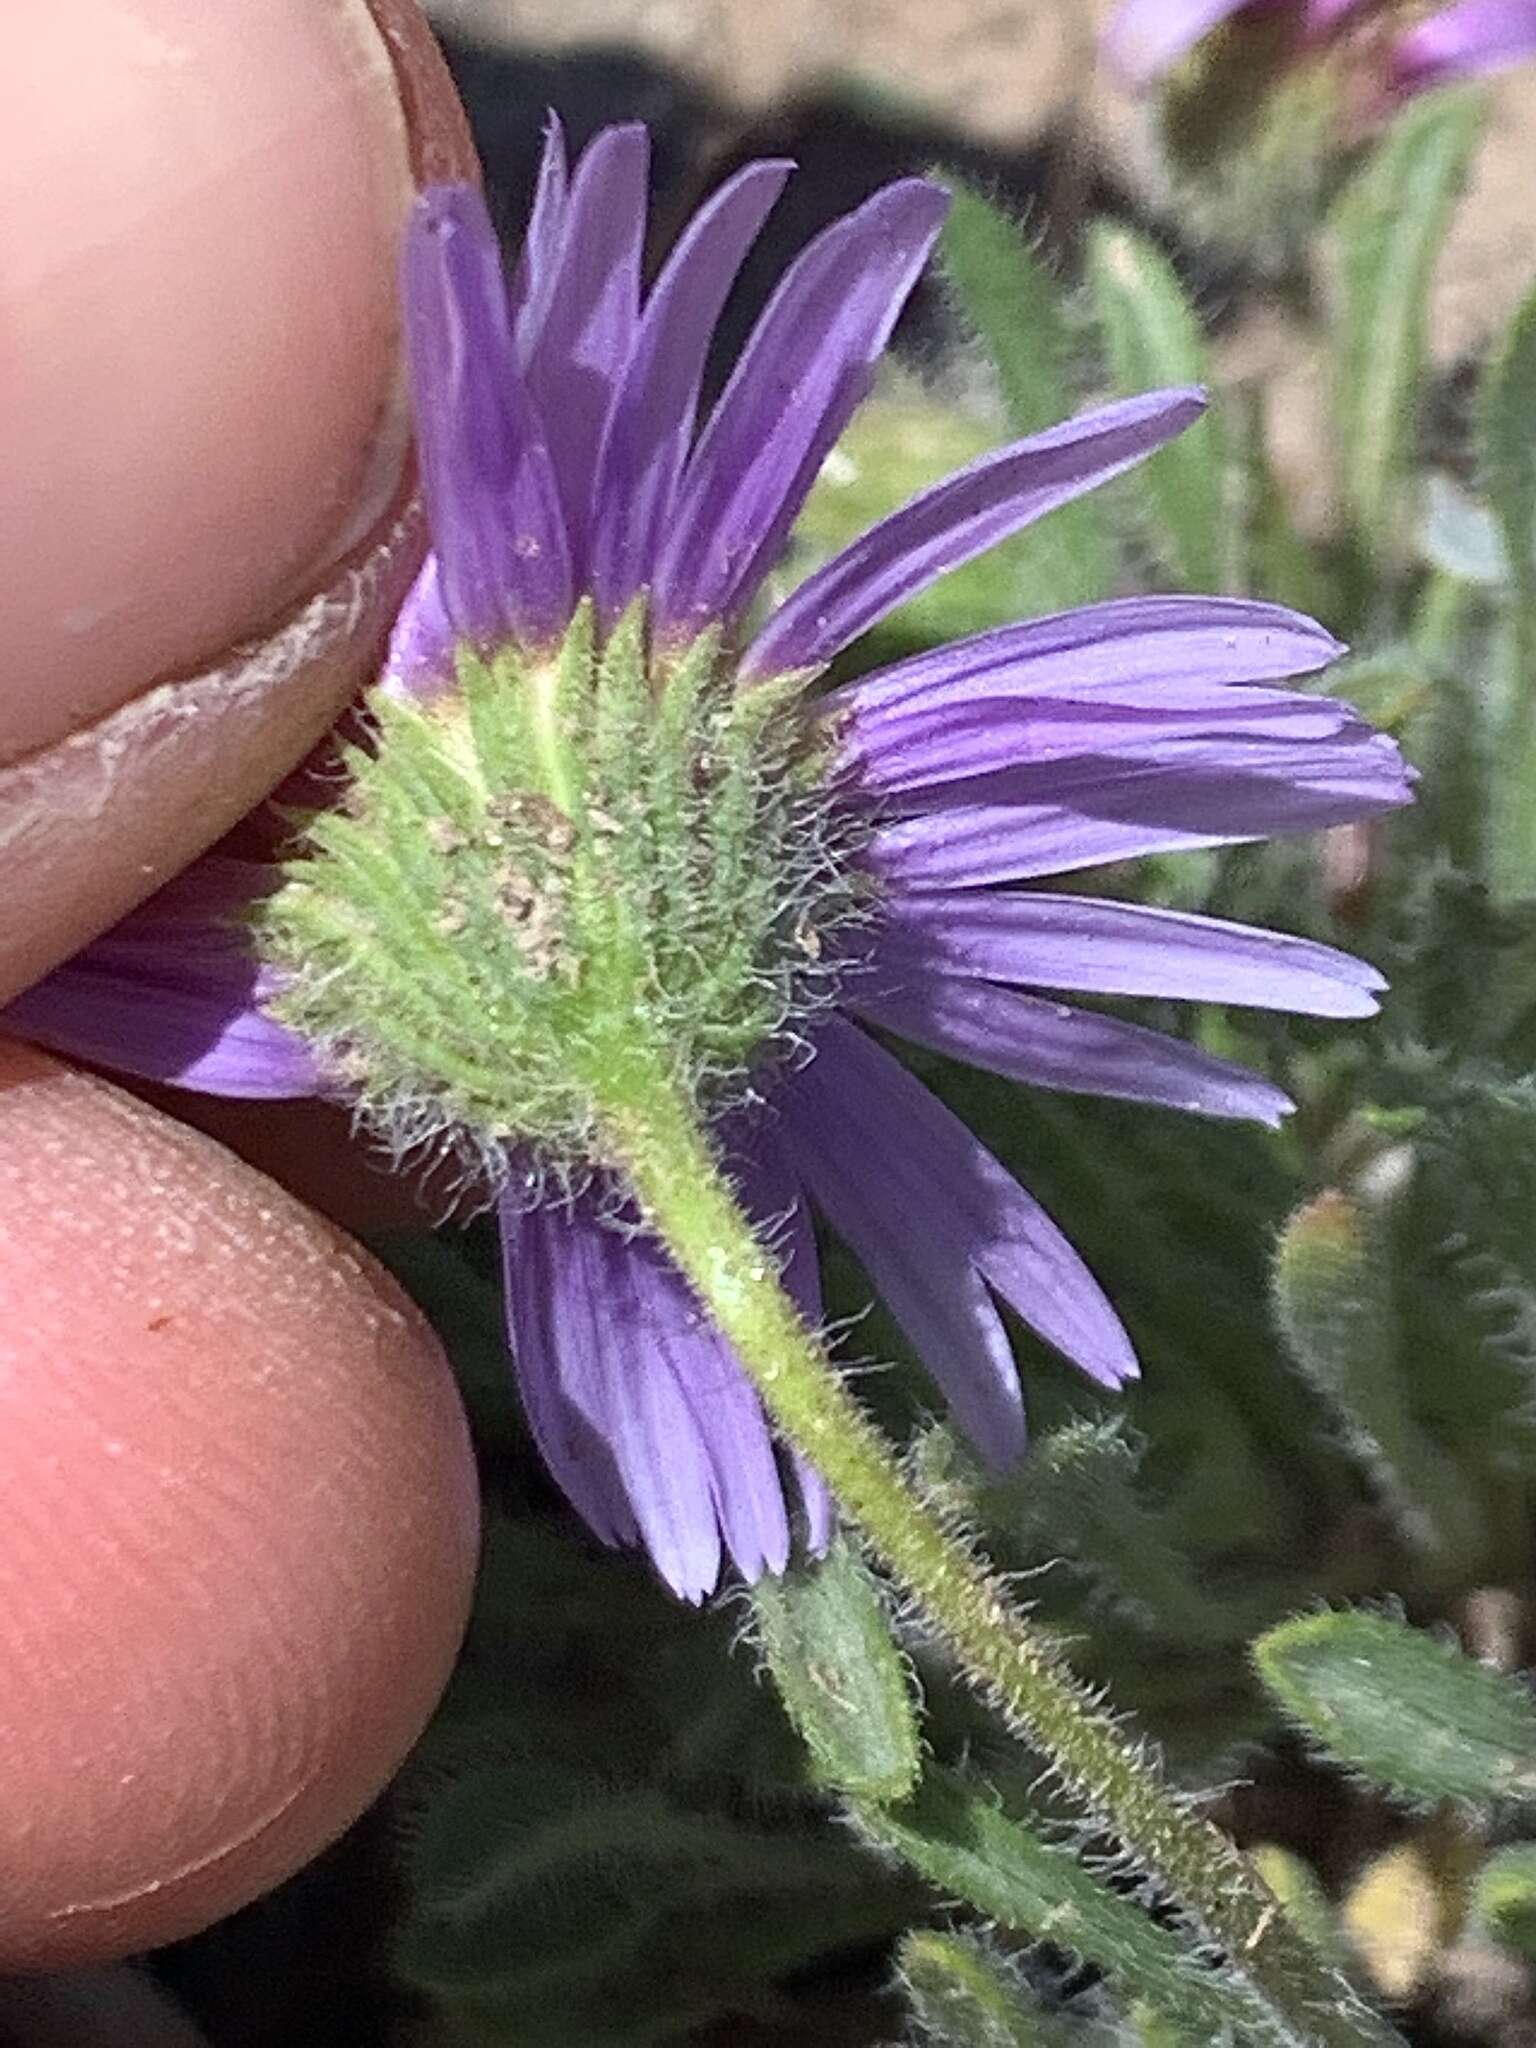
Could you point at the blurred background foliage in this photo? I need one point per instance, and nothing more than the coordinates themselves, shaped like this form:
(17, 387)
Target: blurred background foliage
(1299, 1555)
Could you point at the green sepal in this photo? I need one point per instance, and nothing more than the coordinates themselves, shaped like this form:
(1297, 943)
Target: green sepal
(564, 859)
(1401, 1708)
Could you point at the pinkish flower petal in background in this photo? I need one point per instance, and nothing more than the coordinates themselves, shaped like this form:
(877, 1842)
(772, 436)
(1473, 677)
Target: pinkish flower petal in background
(1145, 38)
(1464, 41)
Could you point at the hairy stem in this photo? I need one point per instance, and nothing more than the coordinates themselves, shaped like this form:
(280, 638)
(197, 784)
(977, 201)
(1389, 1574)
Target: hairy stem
(690, 1205)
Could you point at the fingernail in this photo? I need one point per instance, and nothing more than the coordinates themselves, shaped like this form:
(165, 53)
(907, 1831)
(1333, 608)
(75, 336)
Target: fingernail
(203, 411)
(112, 785)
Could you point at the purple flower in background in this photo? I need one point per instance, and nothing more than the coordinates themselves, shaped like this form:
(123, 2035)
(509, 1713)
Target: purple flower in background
(563, 461)
(1146, 38)
(1463, 41)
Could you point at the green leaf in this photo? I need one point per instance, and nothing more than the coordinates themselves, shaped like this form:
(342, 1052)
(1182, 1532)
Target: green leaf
(1506, 434)
(1336, 1305)
(1402, 1708)
(965, 1993)
(1504, 1898)
(1507, 445)
(491, 1866)
(520, 1872)
(1389, 226)
(1295, 1884)
(956, 1836)
(1005, 293)
(1078, 1498)
(843, 1681)
(1467, 1251)
(1478, 1143)
(1153, 339)
(1458, 940)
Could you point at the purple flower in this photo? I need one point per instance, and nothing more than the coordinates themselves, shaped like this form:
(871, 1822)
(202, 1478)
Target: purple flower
(1146, 38)
(563, 458)
(1463, 41)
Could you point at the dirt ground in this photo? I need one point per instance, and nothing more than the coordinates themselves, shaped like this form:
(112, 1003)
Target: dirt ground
(998, 69)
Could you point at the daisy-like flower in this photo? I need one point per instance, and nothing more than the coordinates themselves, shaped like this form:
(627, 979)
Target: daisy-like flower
(1146, 38)
(605, 814)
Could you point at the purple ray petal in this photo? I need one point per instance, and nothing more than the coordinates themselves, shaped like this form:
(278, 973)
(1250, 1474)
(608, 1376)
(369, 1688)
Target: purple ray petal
(1357, 757)
(601, 1395)
(1465, 41)
(745, 1484)
(771, 1193)
(646, 439)
(636, 1398)
(1067, 815)
(1126, 642)
(419, 662)
(543, 239)
(816, 1505)
(173, 993)
(962, 742)
(808, 363)
(1322, 16)
(1147, 37)
(933, 1216)
(1125, 949)
(961, 517)
(593, 307)
(557, 1321)
(1053, 1045)
(486, 470)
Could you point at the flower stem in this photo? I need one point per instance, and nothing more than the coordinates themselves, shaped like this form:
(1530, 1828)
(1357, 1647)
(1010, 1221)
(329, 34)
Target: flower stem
(689, 1204)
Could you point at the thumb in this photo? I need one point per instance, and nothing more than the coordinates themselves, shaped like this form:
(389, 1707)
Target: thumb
(206, 502)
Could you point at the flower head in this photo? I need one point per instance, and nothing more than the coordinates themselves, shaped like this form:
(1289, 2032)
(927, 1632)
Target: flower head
(1146, 38)
(606, 806)
(1264, 106)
